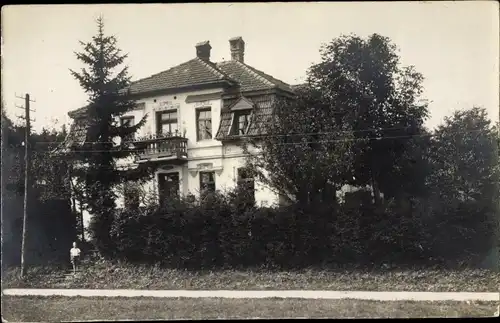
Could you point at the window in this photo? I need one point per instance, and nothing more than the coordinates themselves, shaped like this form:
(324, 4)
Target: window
(207, 182)
(246, 183)
(166, 123)
(127, 122)
(204, 124)
(241, 120)
(168, 186)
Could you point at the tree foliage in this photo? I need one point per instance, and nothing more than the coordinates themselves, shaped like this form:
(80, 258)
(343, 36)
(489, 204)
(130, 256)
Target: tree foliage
(464, 185)
(303, 158)
(51, 224)
(358, 121)
(108, 99)
(465, 158)
(377, 98)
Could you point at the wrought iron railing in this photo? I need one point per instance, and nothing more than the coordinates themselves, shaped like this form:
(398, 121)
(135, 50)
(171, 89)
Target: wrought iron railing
(155, 146)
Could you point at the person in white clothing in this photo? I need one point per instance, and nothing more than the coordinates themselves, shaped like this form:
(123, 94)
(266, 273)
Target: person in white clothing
(75, 256)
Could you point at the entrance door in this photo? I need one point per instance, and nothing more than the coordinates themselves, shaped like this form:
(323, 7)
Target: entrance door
(168, 186)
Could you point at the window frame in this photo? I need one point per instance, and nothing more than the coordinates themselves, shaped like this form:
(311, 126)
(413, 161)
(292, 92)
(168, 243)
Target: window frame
(198, 113)
(160, 122)
(130, 137)
(245, 182)
(234, 129)
(162, 195)
(203, 189)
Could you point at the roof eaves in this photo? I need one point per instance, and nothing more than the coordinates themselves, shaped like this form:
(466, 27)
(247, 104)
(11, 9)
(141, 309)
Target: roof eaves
(80, 112)
(180, 88)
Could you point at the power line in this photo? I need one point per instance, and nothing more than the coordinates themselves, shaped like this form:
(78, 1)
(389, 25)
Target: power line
(297, 134)
(288, 143)
(284, 135)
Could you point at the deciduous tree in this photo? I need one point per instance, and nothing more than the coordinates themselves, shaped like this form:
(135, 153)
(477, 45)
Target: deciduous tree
(305, 152)
(465, 182)
(380, 102)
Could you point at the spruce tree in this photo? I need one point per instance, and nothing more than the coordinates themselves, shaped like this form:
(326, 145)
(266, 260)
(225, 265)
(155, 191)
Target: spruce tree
(108, 98)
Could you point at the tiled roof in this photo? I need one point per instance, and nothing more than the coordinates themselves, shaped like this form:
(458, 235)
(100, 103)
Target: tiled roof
(76, 137)
(298, 87)
(198, 71)
(80, 112)
(192, 72)
(261, 114)
(78, 132)
(249, 78)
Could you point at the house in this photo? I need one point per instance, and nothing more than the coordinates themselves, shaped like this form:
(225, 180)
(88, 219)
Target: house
(197, 113)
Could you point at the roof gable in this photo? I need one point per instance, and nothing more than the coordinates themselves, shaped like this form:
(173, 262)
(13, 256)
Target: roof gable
(242, 104)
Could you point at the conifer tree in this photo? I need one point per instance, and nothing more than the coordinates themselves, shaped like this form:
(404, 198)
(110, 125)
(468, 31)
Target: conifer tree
(106, 85)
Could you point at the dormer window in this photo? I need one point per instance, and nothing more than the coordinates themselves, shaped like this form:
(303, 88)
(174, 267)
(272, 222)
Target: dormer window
(241, 114)
(241, 121)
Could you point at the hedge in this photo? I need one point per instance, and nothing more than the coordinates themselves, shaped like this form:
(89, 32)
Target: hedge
(226, 232)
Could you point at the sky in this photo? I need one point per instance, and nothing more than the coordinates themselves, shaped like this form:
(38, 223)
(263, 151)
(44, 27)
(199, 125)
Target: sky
(453, 44)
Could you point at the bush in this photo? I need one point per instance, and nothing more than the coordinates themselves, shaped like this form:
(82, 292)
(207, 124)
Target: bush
(228, 231)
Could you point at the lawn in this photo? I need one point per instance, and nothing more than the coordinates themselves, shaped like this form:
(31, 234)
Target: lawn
(45, 309)
(103, 275)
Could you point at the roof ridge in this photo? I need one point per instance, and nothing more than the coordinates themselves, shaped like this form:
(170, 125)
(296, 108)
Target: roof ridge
(257, 71)
(249, 68)
(220, 73)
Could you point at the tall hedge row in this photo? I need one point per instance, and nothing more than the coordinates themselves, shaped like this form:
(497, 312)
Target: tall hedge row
(222, 231)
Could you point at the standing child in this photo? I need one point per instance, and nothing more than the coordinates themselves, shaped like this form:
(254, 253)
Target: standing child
(75, 256)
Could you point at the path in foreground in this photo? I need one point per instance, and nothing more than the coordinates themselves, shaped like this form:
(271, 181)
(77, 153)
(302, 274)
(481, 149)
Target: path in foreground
(59, 308)
(252, 294)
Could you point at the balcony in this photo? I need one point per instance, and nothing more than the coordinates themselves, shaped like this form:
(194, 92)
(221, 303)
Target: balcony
(161, 147)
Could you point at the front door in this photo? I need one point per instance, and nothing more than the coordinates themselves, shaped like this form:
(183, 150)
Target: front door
(168, 186)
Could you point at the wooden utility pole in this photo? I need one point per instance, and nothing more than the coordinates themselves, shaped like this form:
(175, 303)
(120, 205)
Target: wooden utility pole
(27, 162)
(76, 213)
(4, 180)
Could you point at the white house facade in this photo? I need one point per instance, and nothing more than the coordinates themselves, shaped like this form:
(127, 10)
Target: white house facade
(196, 115)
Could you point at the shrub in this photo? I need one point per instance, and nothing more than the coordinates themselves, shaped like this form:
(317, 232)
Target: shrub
(227, 230)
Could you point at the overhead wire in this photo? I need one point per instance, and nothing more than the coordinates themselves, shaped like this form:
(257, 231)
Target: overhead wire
(345, 139)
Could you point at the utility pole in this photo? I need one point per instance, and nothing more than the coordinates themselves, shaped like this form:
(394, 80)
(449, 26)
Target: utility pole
(4, 181)
(78, 214)
(27, 180)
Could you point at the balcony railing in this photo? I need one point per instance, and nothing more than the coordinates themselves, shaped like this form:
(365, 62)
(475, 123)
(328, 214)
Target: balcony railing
(161, 147)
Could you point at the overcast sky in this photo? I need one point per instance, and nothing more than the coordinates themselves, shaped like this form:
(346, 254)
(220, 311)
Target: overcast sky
(453, 44)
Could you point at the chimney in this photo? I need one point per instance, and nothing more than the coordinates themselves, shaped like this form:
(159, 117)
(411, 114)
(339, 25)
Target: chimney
(237, 45)
(203, 50)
